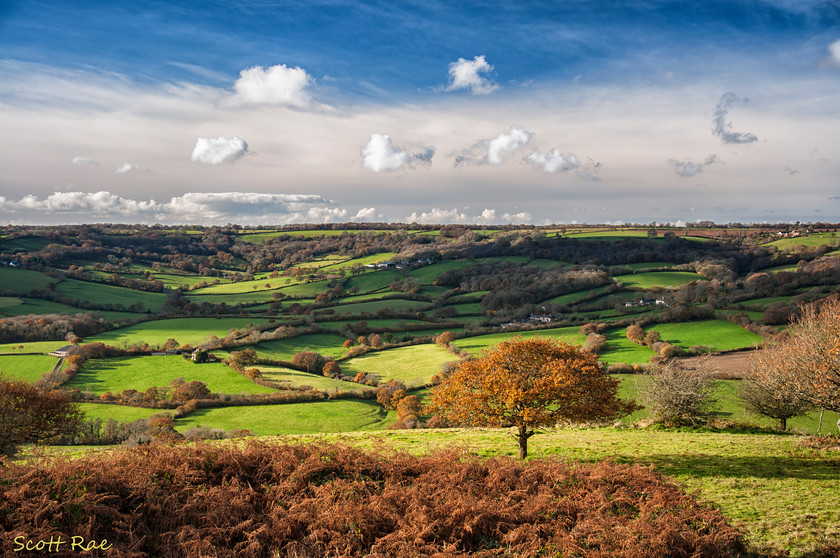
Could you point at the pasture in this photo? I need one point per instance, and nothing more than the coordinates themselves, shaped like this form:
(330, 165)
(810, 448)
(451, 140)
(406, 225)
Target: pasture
(374, 306)
(140, 373)
(293, 418)
(296, 378)
(414, 365)
(100, 294)
(658, 279)
(480, 343)
(29, 368)
(121, 413)
(720, 334)
(328, 344)
(22, 281)
(192, 331)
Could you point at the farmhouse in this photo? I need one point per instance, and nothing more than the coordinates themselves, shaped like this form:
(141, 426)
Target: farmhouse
(63, 352)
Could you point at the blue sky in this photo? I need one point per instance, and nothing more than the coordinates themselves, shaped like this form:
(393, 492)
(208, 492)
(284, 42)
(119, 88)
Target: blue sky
(484, 112)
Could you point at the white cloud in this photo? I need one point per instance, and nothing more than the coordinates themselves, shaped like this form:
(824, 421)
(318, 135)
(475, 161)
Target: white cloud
(83, 161)
(381, 155)
(437, 216)
(276, 85)
(217, 151)
(192, 207)
(464, 74)
(367, 214)
(722, 128)
(690, 168)
(553, 161)
(518, 218)
(493, 151)
(127, 167)
(834, 50)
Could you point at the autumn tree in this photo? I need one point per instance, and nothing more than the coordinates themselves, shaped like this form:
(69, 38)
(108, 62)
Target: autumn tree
(768, 387)
(445, 338)
(811, 354)
(31, 414)
(677, 395)
(527, 384)
(636, 334)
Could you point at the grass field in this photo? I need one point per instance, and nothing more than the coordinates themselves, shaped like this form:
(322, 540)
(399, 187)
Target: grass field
(479, 343)
(576, 296)
(413, 365)
(658, 279)
(140, 373)
(649, 265)
(720, 334)
(26, 367)
(372, 259)
(296, 378)
(21, 281)
(245, 287)
(31, 347)
(428, 273)
(372, 281)
(8, 301)
(621, 349)
(375, 323)
(779, 493)
(120, 413)
(184, 330)
(27, 306)
(293, 418)
(372, 307)
(328, 344)
(817, 239)
(109, 294)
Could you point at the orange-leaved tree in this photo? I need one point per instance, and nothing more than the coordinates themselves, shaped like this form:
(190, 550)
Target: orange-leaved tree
(527, 384)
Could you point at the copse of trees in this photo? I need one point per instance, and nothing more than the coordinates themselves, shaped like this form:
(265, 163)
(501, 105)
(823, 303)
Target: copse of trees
(527, 384)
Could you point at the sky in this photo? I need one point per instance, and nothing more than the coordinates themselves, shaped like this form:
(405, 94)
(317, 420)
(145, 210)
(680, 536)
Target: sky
(323, 111)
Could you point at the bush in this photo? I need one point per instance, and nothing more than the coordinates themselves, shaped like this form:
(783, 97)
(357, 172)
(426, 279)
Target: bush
(678, 396)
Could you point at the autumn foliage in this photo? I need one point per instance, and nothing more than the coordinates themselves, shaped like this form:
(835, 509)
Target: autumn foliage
(259, 499)
(527, 384)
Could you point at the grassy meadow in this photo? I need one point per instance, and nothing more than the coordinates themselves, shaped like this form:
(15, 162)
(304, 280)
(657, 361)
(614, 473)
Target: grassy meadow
(25, 367)
(413, 365)
(184, 330)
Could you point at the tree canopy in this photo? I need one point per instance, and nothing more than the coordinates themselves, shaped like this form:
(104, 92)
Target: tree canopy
(527, 384)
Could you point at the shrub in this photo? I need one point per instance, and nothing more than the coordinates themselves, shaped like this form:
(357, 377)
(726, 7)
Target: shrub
(678, 396)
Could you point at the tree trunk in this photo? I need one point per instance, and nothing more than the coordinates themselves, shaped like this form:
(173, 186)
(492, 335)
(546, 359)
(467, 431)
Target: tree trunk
(819, 428)
(782, 424)
(523, 436)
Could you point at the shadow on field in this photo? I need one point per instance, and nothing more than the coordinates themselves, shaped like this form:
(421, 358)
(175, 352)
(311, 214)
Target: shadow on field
(743, 467)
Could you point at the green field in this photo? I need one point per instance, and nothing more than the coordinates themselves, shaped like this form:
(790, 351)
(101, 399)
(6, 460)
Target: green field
(293, 418)
(372, 281)
(414, 365)
(467, 308)
(31, 347)
(21, 281)
(98, 293)
(192, 331)
(720, 334)
(479, 343)
(8, 301)
(649, 265)
(658, 279)
(576, 296)
(817, 239)
(29, 368)
(375, 323)
(245, 287)
(140, 373)
(328, 344)
(365, 260)
(428, 273)
(297, 379)
(27, 306)
(372, 307)
(621, 349)
(121, 413)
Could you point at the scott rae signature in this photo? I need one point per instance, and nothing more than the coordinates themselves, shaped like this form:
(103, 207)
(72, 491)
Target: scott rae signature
(56, 544)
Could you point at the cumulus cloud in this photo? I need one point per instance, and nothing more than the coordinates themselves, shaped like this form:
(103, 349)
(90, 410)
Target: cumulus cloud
(83, 161)
(127, 167)
(379, 155)
(192, 207)
(722, 128)
(834, 51)
(494, 151)
(553, 161)
(367, 214)
(438, 216)
(466, 74)
(276, 85)
(690, 168)
(448, 216)
(217, 151)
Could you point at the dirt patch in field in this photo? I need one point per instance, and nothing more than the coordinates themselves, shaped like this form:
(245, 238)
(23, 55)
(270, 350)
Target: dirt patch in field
(727, 366)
